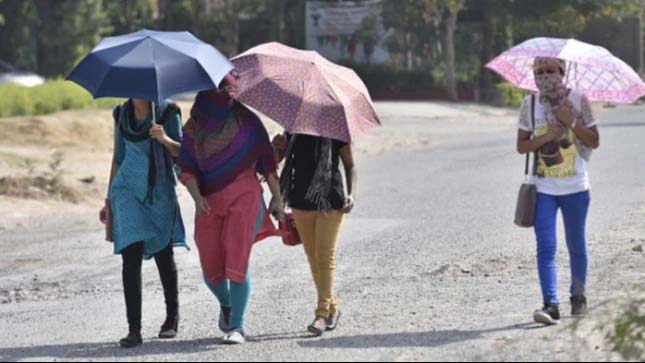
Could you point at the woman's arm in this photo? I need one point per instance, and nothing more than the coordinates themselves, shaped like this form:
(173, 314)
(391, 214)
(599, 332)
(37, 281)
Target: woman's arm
(280, 145)
(158, 133)
(201, 204)
(347, 157)
(589, 136)
(527, 145)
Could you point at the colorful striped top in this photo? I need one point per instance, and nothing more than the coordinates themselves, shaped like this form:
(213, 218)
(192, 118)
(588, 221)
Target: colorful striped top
(223, 139)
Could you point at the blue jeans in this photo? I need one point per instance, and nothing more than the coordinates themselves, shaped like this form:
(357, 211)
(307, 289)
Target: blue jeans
(574, 211)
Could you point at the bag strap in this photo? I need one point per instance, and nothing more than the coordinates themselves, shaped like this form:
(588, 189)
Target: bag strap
(528, 155)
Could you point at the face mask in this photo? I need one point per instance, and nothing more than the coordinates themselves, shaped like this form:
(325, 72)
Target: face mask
(550, 85)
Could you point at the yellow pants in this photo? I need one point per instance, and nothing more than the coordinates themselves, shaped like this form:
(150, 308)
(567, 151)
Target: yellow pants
(319, 233)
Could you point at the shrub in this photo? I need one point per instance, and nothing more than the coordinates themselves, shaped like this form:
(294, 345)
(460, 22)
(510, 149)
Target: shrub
(511, 95)
(53, 96)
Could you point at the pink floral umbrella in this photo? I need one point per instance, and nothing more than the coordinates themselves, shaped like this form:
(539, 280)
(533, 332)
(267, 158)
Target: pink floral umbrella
(304, 92)
(591, 70)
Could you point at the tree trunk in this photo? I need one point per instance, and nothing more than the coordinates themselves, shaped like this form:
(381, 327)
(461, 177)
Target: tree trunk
(490, 21)
(408, 51)
(450, 25)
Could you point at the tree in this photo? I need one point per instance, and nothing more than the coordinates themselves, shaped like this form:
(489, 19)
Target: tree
(425, 34)
(17, 35)
(496, 36)
(67, 30)
(450, 11)
(565, 18)
(126, 16)
(367, 34)
(414, 36)
(221, 24)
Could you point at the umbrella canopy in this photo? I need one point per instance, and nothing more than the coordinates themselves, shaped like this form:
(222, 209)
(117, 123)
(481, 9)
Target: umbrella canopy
(591, 70)
(304, 92)
(150, 65)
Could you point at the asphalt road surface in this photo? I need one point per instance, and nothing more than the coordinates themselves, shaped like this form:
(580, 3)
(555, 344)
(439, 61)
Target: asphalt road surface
(430, 265)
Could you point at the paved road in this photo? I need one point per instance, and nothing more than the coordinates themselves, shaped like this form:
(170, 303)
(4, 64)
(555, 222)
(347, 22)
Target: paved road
(430, 265)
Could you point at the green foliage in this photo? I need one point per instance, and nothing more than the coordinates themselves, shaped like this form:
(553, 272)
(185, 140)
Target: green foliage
(511, 95)
(51, 97)
(127, 16)
(17, 33)
(558, 18)
(67, 31)
(628, 332)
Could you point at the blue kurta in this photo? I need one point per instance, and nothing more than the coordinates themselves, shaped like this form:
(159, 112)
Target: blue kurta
(154, 221)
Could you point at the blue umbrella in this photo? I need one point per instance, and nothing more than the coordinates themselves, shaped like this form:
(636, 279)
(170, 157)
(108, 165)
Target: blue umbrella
(150, 65)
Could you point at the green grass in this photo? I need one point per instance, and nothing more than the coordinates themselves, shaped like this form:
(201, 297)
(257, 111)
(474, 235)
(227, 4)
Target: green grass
(53, 96)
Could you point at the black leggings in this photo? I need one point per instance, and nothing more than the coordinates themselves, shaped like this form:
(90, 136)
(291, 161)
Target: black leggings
(132, 261)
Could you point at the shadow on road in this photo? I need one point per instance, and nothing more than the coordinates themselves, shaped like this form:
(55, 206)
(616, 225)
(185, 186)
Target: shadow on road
(158, 347)
(278, 337)
(622, 124)
(418, 339)
(107, 350)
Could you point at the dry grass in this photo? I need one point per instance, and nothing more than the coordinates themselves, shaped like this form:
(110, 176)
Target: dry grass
(39, 188)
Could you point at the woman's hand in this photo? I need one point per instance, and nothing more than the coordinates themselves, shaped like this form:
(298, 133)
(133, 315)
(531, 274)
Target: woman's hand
(103, 214)
(276, 209)
(158, 133)
(348, 206)
(201, 206)
(565, 116)
(554, 133)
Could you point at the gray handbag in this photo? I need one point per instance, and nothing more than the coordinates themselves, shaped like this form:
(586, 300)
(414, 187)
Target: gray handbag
(527, 198)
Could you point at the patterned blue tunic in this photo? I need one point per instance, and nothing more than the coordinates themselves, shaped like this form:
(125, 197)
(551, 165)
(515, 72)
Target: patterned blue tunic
(156, 221)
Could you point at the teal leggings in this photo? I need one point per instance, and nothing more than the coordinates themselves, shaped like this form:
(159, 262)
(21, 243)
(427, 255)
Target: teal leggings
(235, 296)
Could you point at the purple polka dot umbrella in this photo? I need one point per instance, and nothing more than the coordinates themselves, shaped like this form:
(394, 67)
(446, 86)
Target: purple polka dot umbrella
(591, 70)
(304, 92)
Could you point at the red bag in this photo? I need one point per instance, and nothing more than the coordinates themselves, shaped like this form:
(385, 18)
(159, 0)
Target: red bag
(290, 236)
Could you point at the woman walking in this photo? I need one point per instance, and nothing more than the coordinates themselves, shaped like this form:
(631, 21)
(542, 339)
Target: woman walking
(225, 147)
(142, 206)
(312, 186)
(558, 125)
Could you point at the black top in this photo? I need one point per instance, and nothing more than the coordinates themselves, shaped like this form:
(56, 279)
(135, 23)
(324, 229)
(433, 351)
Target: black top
(304, 167)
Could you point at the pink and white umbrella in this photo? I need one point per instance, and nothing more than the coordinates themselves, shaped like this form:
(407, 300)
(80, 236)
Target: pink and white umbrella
(591, 70)
(304, 92)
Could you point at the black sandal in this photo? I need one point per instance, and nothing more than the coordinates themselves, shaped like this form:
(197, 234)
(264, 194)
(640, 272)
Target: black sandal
(315, 329)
